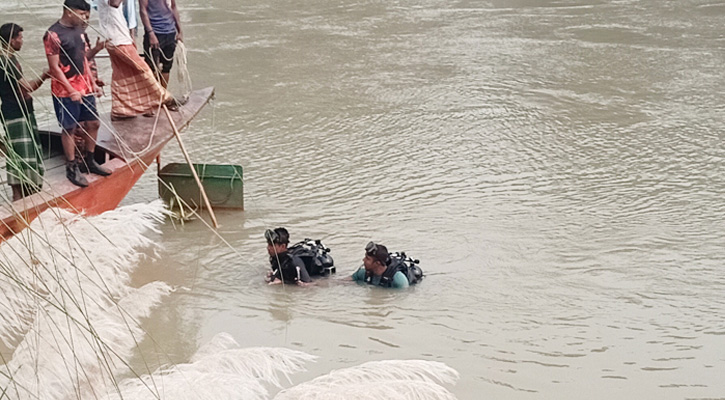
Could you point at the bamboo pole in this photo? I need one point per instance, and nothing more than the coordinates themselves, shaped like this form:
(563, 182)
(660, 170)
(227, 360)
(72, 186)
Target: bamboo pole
(193, 171)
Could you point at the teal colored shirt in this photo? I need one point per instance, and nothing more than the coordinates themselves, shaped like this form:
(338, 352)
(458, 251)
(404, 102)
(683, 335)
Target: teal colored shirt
(399, 280)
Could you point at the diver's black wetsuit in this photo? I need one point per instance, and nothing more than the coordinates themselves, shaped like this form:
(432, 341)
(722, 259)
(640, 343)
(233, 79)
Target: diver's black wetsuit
(292, 268)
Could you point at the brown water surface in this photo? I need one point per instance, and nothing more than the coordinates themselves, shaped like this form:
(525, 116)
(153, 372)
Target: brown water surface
(557, 167)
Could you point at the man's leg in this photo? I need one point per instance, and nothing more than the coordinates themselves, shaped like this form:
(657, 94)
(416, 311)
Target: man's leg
(91, 124)
(67, 112)
(152, 57)
(24, 190)
(161, 76)
(72, 169)
(90, 134)
(167, 47)
(20, 191)
(165, 79)
(24, 162)
(17, 192)
(68, 141)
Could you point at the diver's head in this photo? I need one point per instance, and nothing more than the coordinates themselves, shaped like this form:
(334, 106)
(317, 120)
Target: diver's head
(277, 240)
(376, 257)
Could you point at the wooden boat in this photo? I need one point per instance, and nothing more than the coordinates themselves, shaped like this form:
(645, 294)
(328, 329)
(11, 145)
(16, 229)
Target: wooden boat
(129, 146)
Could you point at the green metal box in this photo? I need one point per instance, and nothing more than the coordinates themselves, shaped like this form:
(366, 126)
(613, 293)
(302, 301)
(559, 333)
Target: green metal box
(222, 183)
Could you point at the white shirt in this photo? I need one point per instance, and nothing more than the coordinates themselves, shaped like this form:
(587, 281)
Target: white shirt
(130, 13)
(113, 24)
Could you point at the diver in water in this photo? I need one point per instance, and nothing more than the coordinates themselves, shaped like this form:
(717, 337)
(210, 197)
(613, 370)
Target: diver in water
(378, 270)
(286, 268)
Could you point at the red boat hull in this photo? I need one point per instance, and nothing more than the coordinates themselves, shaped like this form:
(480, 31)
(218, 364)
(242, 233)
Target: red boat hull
(102, 194)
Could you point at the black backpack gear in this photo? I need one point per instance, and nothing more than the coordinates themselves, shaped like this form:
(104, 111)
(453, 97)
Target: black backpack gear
(400, 262)
(315, 255)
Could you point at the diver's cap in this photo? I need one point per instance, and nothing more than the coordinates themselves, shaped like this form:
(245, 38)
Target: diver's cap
(377, 252)
(277, 236)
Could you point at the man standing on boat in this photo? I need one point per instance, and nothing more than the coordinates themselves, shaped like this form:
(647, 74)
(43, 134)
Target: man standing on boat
(74, 89)
(23, 154)
(162, 29)
(134, 89)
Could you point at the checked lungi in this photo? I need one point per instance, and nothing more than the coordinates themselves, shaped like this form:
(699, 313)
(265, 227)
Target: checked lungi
(24, 158)
(134, 88)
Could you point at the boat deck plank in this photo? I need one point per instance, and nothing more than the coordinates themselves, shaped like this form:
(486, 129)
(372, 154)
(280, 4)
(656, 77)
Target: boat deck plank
(130, 137)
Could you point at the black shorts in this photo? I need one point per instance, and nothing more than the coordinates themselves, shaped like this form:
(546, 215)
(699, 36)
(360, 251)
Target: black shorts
(163, 57)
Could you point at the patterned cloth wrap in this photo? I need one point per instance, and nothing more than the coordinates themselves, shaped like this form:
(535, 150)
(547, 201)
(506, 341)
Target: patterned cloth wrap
(24, 161)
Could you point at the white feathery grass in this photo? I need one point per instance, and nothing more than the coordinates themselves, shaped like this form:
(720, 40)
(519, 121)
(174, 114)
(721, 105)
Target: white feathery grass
(219, 370)
(56, 257)
(379, 390)
(388, 379)
(193, 385)
(65, 299)
(222, 353)
(219, 343)
(69, 352)
(413, 370)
